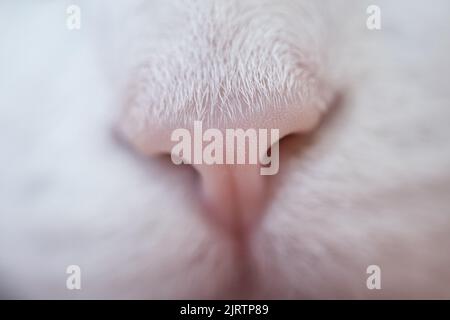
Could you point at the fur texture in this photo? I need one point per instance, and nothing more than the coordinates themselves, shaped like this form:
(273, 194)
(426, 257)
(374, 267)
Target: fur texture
(238, 57)
(370, 186)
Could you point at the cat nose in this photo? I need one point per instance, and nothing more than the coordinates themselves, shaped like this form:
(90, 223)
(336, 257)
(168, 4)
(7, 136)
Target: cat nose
(234, 194)
(233, 158)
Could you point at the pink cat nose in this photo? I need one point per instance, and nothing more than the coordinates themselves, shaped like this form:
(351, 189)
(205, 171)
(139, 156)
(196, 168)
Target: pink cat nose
(233, 194)
(229, 71)
(233, 157)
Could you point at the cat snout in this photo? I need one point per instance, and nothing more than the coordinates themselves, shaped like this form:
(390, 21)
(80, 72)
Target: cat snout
(234, 159)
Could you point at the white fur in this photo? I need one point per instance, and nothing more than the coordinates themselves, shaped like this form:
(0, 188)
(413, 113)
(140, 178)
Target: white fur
(369, 187)
(222, 60)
